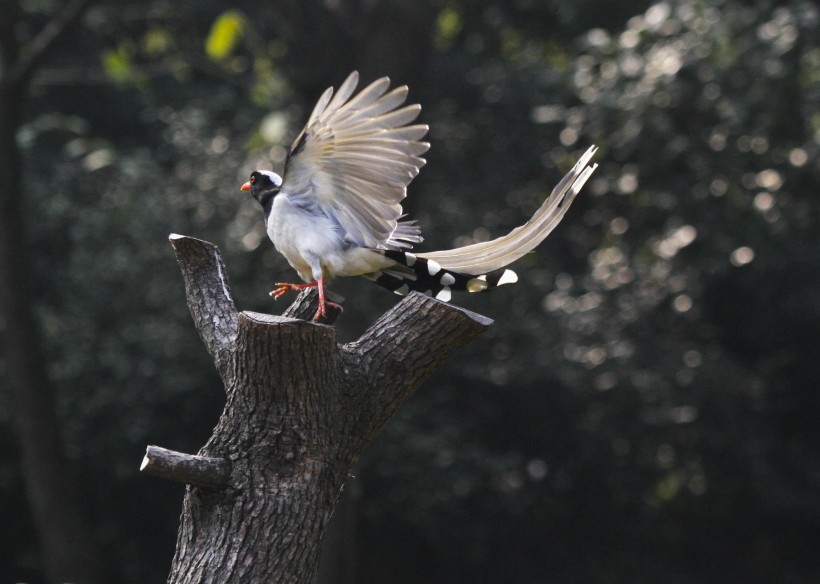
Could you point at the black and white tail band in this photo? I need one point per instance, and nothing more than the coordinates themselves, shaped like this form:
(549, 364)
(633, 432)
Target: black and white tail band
(423, 275)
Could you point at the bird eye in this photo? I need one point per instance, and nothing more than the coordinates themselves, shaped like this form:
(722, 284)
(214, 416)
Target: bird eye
(253, 178)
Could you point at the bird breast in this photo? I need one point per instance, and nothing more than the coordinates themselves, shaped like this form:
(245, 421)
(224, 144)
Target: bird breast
(315, 245)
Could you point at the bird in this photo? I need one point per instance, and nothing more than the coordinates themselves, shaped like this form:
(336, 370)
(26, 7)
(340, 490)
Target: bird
(336, 211)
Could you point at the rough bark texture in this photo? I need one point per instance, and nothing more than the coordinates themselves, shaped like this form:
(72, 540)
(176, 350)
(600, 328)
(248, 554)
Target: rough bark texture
(200, 471)
(300, 409)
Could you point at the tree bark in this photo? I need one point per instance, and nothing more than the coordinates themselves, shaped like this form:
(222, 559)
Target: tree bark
(300, 409)
(200, 471)
(68, 549)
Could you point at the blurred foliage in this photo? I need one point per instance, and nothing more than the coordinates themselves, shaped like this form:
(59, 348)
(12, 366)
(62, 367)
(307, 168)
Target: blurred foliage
(644, 408)
(225, 35)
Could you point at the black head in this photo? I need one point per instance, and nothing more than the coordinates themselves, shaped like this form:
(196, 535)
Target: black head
(263, 185)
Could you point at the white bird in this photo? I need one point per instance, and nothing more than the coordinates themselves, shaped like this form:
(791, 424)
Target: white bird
(337, 212)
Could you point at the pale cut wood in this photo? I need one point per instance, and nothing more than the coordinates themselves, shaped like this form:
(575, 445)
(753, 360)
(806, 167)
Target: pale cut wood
(200, 471)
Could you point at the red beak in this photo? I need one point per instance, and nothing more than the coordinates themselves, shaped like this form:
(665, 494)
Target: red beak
(246, 186)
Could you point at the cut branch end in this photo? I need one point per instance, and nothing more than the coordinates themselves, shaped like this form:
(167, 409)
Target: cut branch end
(199, 471)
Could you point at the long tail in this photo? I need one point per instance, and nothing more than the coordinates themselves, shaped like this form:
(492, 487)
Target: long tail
(487, 256)
(482, 266)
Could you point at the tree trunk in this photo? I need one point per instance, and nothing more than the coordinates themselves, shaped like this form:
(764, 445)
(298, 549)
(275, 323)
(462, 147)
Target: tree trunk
(300, 409)
(69, 553)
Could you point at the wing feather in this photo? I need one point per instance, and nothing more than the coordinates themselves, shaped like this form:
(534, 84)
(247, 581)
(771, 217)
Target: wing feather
(356, 156)
(320, 105)
(368, 95)
(344, 92)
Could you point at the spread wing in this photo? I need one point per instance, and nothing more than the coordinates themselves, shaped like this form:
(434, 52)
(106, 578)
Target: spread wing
(356, 156)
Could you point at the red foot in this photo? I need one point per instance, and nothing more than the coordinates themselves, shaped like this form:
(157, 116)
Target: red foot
(283, 288)
(322, 310)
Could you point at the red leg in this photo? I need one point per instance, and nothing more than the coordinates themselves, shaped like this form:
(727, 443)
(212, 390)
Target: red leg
(283, 288)
(323, 303)
(321, 310)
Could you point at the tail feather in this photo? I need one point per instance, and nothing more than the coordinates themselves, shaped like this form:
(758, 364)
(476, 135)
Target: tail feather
(481, 266)
(488, 256)
(404, 235)
(413, 272)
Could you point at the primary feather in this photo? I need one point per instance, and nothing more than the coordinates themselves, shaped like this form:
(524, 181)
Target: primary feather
(355, 158)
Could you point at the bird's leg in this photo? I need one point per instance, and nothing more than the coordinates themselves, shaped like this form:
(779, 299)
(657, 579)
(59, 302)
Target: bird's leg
(283, 288)
(323, 303)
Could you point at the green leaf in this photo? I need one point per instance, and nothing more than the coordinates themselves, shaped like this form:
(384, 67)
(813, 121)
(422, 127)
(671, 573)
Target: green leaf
(157, 41)
(448, 24)
(117, 64)
(226, 33)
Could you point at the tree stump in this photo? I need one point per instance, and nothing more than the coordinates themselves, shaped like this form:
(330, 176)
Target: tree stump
(300, 409)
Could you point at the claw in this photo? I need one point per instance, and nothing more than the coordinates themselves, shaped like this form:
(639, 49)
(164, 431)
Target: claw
(283, 288)
(322, 310)
(323, 302)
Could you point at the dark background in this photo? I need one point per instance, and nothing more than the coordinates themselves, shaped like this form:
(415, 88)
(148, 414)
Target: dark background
(645, 408)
